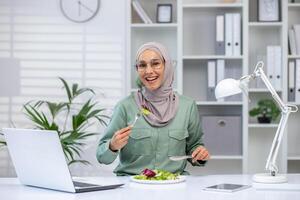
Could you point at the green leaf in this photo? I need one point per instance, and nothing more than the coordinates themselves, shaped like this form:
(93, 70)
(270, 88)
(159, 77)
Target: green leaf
(85, 162)
(33, 114)
(55, 108)
(102, 122)
(66, 86)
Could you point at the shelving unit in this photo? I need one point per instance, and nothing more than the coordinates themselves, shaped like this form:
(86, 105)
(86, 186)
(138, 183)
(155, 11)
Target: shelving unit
(293, 150)
(191, 40)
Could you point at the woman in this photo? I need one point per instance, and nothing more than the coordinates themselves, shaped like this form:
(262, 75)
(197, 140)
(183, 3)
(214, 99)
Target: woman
(171, 128)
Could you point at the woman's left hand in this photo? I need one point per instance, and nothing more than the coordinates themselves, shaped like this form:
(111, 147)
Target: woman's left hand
(200, 153)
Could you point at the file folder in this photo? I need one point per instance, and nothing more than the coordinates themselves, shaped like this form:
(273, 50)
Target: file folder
(236, 34)
(228, 34)
(270, 64)
(297, 37)
(292, 42)
(291, 82)
(297, 96)
(277, 67)
(220, 72)
(220, 39)
(211, 80)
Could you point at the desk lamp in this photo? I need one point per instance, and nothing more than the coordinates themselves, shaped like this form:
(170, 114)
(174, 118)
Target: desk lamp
(228, 87)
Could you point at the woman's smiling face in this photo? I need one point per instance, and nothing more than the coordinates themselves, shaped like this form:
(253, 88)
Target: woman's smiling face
(150, 67)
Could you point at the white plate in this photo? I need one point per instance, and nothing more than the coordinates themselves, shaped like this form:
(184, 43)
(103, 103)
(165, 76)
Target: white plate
(179, 180)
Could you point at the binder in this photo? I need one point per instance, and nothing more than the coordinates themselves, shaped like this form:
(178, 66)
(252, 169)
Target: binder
(141, 12)
(228, 34)
(211, 80)
(270, 64)
(297, 37)
(297, 95)
(291, 81)
(220, 39)
(236, 34)
(234, 70)
(220, 72)
(292, 42)
(277, 67)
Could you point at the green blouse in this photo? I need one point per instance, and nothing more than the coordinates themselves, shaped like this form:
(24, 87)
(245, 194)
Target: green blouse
(150, 147)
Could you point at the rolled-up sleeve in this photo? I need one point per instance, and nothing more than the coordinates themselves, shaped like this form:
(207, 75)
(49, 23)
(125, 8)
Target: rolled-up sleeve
(195, 133)
(104, 154)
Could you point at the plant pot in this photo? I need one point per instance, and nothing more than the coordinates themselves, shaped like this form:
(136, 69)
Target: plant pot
(264, 120)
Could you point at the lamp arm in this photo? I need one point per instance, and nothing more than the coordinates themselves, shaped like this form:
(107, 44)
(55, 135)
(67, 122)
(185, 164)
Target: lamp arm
(285, 112)
(271, 161)
(261, 73)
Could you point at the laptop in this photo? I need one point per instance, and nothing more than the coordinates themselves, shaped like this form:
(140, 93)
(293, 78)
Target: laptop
(39, 161)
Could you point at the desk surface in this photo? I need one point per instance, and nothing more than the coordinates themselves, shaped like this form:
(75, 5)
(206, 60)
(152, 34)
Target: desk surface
(10, 189)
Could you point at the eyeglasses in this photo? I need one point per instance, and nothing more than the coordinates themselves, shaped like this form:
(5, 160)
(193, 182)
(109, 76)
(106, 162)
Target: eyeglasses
(155, 64)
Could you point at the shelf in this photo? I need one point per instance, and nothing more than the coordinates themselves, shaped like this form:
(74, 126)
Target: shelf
(216, 5)
(294, 103)
(218, 157)
(293, 56)
(257, 90)
(216, 103)
(294, 158)
(294, 5)
(262, 125)
(154, 25)
(208, 57)
(265, 24)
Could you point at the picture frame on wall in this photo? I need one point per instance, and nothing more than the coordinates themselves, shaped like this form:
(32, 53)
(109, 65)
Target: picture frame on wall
(268, 10)
(164, 13)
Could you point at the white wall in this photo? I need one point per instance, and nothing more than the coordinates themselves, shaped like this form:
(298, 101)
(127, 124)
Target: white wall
(47, 45)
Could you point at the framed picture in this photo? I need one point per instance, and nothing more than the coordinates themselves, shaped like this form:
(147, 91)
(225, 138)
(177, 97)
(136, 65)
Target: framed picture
(268, 10)
(164, 13)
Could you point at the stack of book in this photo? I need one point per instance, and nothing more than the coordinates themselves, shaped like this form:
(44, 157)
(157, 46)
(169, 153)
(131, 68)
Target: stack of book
(228, 34)
(294, 39)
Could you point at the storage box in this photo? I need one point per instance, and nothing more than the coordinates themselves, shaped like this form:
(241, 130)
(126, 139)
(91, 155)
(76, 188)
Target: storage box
(223, 134)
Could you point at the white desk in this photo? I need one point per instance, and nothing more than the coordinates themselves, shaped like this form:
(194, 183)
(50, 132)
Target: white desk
(10, 189)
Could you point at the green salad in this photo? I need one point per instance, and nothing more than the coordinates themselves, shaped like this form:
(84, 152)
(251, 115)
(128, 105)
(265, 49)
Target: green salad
(157, 174)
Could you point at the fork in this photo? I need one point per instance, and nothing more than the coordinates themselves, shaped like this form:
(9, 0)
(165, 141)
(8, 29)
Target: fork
(136, 118)
(177, 158)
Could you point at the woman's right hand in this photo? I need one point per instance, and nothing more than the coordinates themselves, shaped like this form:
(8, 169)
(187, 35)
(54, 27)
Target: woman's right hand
(120, 138)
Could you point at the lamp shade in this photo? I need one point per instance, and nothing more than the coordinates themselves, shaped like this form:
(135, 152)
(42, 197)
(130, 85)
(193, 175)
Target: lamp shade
(227, 87)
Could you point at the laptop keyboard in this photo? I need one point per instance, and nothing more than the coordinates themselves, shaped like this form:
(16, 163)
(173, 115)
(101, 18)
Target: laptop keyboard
(81, 184)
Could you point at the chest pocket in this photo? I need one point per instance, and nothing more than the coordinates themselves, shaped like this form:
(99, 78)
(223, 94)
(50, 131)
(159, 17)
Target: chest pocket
(139, 142)
(177, 142)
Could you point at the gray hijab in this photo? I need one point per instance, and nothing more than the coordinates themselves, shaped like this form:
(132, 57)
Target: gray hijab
(162, 102)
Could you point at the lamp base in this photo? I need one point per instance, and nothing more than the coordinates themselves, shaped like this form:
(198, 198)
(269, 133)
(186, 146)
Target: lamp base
(267, 178)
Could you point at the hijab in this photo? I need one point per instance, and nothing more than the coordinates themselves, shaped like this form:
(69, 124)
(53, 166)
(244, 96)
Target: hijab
(162, 102)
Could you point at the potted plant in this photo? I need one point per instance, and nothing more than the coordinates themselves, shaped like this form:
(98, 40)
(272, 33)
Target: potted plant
(266, 111)
(71, 119)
